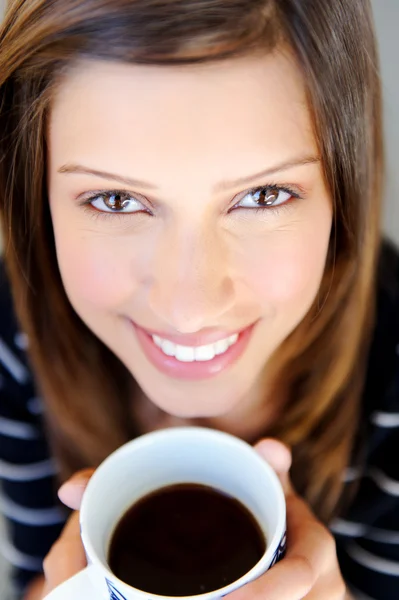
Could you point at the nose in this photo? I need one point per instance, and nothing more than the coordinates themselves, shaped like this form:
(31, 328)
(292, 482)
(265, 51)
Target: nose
(191, 285)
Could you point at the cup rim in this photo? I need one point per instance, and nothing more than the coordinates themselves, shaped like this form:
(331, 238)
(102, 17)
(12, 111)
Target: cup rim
(182, 431)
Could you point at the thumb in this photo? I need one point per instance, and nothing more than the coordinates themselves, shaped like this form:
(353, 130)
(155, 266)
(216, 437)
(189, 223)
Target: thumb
(279, 457)
(71, 492)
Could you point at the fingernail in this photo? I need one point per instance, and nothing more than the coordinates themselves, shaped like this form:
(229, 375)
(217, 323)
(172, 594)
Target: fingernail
(76, 481)
(71, 496)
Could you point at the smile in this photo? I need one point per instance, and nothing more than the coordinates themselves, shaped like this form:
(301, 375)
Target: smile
(192, 353)
(195, 359)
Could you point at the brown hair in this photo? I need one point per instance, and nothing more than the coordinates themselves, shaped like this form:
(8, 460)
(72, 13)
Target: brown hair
(85, 387)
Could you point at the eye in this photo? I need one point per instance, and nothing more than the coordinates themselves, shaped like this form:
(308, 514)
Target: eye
(116, 202)
(266, 197)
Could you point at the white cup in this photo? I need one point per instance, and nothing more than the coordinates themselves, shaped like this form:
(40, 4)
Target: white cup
(159, 459)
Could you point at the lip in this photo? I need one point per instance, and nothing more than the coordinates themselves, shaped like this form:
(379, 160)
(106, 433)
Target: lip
(170, 366)
(192, 339)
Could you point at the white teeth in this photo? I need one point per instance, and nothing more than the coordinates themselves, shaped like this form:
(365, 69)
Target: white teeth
(168, 348)
(233, 338)
(157, 340)
(203, 353)
(198, 353)
(184, 353)
(221, 346)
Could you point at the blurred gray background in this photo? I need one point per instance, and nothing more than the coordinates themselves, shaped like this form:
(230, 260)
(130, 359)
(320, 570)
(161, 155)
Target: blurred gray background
(387, 20)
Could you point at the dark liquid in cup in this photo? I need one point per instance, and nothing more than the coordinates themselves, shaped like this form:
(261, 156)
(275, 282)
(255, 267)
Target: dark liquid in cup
(184, 540)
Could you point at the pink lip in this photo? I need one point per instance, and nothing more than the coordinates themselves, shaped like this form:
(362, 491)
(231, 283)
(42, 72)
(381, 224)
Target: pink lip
(194, 370)
(194, 339)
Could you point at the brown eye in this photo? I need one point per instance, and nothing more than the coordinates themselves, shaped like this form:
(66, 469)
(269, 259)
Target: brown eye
(117, 202)
(265, 197)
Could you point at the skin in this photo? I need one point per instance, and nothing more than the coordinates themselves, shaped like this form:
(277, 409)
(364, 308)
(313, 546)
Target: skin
(196, 263)
(309, 571)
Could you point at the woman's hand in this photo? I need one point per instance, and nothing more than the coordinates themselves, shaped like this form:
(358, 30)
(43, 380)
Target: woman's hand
(67, 556)
(309, 571)
(310, 567)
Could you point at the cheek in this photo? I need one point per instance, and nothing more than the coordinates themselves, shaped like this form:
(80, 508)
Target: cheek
(294, 277)
(97, 271)
(286, 268)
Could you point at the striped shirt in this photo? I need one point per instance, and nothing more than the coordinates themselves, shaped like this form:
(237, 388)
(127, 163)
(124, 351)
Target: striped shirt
(367, 535)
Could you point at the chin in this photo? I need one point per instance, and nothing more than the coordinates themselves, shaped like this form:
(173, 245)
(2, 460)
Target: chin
(193, 410)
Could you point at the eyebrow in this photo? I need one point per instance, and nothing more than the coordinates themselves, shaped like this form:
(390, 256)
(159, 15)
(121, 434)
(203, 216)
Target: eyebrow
(221, 186)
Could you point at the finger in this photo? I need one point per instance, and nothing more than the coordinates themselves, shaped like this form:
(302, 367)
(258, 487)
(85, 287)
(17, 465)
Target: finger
(36, 589)
(67, 556)
(308, 538)
(291, 579)
(294, 576)
(278, 456)
(330, 587)
(71, 492)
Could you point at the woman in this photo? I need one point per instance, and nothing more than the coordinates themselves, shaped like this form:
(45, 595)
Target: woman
(190, 196)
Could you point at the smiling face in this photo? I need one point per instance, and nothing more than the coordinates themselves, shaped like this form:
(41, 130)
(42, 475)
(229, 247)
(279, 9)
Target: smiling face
(189, 203)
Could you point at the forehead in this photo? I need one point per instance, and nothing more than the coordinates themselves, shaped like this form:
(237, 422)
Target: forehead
(116, 115)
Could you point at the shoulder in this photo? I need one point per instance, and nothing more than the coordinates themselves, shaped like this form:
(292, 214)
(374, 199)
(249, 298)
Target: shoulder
(381, 390)
(17, 388)
(9, 326)
(380, 418)
(387, 323)
(367, 532)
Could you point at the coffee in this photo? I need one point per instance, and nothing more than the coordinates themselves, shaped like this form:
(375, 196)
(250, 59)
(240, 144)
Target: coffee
(184, 540)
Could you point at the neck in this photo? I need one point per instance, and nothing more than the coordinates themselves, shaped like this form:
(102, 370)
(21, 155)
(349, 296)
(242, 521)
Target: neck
(252, 416)
(249, 419)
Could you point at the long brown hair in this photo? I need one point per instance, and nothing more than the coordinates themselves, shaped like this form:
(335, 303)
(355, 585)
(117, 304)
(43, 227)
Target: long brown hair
(86, 389)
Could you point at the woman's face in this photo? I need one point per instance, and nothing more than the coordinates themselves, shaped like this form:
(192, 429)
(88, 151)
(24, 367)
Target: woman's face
(191, 219)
